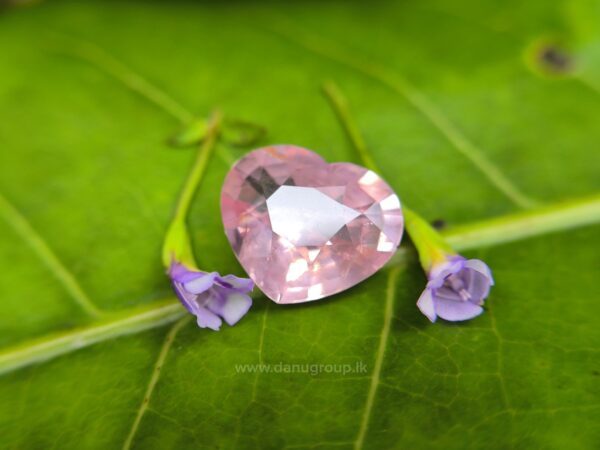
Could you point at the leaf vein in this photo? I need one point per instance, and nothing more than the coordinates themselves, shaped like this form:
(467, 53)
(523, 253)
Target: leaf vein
(398, 84)
(26, 232)
(260, 350)
(500, 362)
(102, 60)
(156, 371)
(379, 358)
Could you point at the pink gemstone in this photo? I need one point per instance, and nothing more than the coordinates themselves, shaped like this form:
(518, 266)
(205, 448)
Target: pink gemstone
(304, 229)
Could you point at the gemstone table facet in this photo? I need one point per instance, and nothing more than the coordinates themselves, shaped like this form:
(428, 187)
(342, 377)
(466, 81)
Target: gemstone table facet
(304, 229)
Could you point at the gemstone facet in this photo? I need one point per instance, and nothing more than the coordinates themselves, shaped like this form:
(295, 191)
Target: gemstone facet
(304, 229)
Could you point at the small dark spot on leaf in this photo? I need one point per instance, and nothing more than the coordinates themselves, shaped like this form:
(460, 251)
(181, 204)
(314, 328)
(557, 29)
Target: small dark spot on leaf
(554, 59)
(439, 224)
(595, 373)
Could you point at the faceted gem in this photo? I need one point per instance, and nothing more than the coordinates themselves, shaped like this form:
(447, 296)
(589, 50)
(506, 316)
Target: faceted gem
(304, 229)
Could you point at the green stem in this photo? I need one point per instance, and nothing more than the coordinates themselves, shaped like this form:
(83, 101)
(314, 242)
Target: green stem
(197, 172)
(177, 243)
(431, 246)
(342, 110)
(558, 217)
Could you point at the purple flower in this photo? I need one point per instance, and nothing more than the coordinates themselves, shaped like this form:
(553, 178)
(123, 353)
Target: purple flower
(211, 297)
(456, 289)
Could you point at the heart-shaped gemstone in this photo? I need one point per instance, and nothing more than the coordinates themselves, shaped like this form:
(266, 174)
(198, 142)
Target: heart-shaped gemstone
(304, 229)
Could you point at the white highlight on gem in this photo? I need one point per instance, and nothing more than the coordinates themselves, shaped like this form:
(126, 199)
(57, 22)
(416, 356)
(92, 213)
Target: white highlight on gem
(315, 291)
(306, 216)
(296, 270)
(390, 202)
(369, 178)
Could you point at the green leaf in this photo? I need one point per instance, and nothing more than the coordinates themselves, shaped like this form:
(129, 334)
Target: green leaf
(451, 104)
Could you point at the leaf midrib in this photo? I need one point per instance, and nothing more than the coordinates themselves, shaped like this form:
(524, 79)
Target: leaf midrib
(125, 322)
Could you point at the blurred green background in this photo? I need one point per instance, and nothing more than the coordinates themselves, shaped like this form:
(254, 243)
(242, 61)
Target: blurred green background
(474, 109)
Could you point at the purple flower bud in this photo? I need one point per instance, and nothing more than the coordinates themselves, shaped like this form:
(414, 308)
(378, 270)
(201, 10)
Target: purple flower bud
(456, 289)
(211, 297)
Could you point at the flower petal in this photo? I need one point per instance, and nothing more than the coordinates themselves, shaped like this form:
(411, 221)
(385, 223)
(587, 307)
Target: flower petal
(237, 283)
(188, 300)
(231, 305)
(180, 273)
(481, 267)
(236, 307)
(201, 284)
(208, 319)
(447, 293)
(425, 304)
(440, 272)
(478, 286)
(456, 311)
